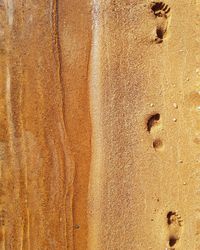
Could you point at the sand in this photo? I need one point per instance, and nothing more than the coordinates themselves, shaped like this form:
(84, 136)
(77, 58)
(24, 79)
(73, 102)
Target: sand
(99, 125)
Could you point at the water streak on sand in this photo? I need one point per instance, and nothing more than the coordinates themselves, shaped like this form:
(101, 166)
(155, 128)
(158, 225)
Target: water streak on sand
(10, 11)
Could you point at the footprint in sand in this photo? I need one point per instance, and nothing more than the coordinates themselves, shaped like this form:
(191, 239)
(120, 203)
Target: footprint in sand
(175, 224)
(161, 12)
(153, 122)
(154, 127)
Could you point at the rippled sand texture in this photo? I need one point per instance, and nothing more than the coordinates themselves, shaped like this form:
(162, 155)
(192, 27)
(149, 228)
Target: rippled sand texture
(99, 125)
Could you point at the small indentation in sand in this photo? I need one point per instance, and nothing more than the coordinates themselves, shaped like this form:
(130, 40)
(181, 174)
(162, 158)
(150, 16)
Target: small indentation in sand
(152, 121)
(172, 241)
(158, 144)
(76, 226)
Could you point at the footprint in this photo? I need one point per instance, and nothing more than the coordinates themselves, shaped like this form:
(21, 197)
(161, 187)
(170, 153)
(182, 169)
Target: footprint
(175, 223)
(153, 122)
(162, 13)
(154, 127)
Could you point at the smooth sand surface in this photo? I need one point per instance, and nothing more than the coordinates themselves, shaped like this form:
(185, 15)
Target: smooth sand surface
(99, 125)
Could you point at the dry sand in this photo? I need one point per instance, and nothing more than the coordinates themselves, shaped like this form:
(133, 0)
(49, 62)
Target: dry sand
(99, 125)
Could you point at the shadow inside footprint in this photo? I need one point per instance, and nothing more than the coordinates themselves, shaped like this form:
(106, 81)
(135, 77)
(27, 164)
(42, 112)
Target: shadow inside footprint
(160, 8)
(160, 34)
(152, 121)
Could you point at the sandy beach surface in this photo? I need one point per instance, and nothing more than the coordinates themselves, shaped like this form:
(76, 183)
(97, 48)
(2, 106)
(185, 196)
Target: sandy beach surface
(99, 125)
